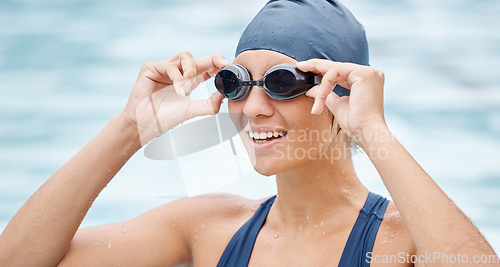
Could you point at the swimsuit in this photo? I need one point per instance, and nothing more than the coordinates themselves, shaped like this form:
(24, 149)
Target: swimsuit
(359, 243)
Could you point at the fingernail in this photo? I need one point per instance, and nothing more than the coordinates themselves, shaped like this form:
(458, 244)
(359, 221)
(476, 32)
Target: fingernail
(314, 108)
(302, 63)
(182, 91)
(187, 85)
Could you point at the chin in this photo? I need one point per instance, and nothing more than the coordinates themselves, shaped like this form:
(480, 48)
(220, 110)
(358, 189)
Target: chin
(268, 167)
(265, 171)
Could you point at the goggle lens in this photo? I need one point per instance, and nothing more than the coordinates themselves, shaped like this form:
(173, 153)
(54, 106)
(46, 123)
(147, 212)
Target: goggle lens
(227, 82)
(280, 81)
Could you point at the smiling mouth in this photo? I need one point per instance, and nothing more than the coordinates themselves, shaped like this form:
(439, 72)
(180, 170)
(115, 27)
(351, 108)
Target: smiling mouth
(263, 137)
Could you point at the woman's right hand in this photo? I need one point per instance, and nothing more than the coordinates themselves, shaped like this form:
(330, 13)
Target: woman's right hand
(160, 99)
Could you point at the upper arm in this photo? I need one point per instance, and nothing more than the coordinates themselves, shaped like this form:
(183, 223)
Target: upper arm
(154, 238)
(394, 245)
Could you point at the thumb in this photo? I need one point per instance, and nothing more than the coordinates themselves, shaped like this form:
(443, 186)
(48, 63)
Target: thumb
(209, 106)
(338, 106)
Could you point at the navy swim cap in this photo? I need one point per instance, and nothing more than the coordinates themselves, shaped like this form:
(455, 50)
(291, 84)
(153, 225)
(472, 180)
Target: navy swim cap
(305, 29)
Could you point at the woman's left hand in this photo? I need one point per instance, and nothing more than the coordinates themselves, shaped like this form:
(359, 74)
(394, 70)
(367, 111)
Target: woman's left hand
(358, 113)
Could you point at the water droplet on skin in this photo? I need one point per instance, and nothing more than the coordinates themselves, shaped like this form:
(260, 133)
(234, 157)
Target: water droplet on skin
(322, 223)
(323, 233)
(276, 236)
(300, 227)
(196, 237)
(109, 245)
(203, 226)
(383, 243)
(307, 217)
(124, 230)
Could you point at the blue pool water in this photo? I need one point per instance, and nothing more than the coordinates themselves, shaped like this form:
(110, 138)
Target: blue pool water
(66, 67)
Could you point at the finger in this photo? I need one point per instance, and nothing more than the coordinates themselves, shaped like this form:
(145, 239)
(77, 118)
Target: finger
(193, 83)
(199, 79)
(210, 62)
(313, 91)
(187, 65)
(327, 83)
(322, 66)
(338, 106)
(207, 106)
(161, 72)
(173, 72)
(307, 66)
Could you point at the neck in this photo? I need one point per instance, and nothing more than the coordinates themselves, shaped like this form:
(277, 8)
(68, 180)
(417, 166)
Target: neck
(318, 191)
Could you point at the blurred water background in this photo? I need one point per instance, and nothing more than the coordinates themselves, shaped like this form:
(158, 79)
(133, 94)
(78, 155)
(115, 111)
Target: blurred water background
(67, 67)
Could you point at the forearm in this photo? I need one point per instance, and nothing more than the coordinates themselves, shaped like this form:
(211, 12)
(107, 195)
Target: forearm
(435, 222)
(41, 231)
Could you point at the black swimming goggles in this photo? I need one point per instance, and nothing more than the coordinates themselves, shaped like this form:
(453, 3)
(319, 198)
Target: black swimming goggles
(281, 82)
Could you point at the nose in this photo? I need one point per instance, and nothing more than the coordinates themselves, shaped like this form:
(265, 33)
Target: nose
(257, 103)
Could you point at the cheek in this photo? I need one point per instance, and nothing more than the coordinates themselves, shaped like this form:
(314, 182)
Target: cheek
(300, 116)
(232, 106)
(235, 109)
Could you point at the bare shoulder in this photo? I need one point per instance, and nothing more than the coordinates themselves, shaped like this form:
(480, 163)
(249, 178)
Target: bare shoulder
(208, 212)
(211, 206)
(393, 237)
(208, 222)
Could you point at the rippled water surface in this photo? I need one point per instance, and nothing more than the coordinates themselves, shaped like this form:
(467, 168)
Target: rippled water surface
(66, 67)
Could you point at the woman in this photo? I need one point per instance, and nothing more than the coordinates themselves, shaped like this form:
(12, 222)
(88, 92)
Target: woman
(322, 216)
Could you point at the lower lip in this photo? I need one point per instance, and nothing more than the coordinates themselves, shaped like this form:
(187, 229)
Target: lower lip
(265, 145)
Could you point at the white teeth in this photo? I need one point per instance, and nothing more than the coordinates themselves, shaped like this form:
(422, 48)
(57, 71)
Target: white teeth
(265, 135)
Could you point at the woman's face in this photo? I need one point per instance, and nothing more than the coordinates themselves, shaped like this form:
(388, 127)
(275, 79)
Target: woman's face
(304, 135)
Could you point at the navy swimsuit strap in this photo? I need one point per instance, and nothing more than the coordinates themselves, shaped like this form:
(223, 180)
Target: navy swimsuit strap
(239, 249)
(364, 232)
(359, 243)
